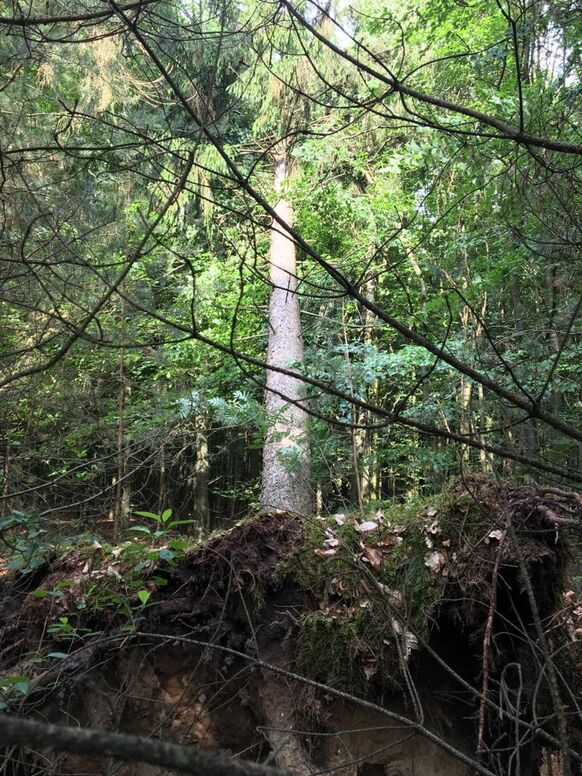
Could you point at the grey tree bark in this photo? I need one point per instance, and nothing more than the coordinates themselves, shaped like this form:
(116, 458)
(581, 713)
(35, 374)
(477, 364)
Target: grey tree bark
(286, 467)
(201, 469)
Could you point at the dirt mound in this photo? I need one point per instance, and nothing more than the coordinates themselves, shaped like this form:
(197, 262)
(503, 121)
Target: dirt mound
(437, 617)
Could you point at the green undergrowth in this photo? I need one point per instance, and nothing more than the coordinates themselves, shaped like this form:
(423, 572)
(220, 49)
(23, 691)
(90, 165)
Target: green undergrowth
(96, 583)
(87, 583)
(88, 576)
(87, 587)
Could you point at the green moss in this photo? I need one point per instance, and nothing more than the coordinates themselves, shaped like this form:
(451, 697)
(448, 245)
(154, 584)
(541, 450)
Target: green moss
(464, 518)
(327, 649)
(309, 569)
(362, 583)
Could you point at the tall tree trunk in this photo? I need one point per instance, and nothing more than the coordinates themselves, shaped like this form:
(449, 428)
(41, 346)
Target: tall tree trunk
(201, 469)
(528, 429)
(364, 437)
(122, 489)
(357, 440)
(161, 478)
(465, 391)
(4, 504)
(485, 424)
(285, 482)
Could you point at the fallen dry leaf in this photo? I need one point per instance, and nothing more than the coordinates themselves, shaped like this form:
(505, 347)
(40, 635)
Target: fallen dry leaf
(390, 541)
(394, 595)
(324, 553)
(434, 560)
(373, 555)
(369, 525)
(369, 670)
(410, 643)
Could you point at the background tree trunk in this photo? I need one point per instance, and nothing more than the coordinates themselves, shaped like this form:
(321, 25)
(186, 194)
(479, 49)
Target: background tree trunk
(201, 469)
(122, 489)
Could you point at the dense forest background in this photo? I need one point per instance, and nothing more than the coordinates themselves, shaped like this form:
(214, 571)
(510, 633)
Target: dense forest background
(134, 315)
